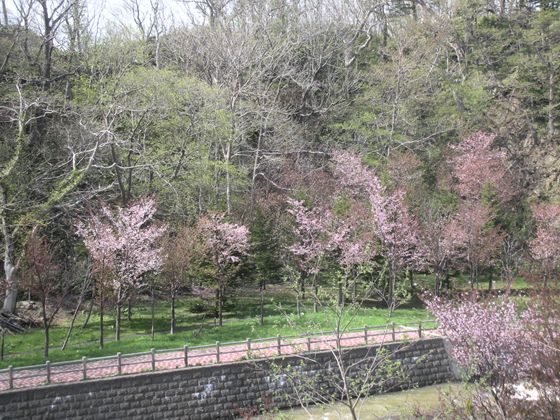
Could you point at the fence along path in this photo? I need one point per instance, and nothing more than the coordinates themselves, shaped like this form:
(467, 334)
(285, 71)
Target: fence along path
(124, 364)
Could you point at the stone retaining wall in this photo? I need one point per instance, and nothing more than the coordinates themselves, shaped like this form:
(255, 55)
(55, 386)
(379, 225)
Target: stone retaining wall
(209, 392)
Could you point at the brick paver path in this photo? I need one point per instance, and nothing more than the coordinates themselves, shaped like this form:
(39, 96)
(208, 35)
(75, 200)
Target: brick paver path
(73, 371)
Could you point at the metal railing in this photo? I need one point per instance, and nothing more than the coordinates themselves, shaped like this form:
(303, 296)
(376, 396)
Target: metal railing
(164, 359)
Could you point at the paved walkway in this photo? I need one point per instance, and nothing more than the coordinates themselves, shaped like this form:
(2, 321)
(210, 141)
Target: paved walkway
(164, 360)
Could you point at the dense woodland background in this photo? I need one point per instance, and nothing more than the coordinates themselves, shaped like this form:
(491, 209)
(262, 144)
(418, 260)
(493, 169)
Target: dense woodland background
(236, 109)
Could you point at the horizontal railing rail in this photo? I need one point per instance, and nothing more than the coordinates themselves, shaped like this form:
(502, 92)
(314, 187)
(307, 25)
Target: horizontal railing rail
(123, 364)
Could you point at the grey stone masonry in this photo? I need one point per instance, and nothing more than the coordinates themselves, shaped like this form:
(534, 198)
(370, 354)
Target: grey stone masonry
(223, 391)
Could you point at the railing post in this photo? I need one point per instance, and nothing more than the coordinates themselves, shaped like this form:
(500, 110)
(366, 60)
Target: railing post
(366, 334)
(420, 329)
(308, 343)
(217, 352)
(248, 347)
(10, 377)
(153, 351)
(119, 364)
(279, 344)
(186, 355)
(393, 331)
(48, 367)
(84, 368)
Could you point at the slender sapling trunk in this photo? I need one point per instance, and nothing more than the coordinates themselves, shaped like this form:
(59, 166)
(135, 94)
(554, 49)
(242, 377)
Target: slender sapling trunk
(173, 321)
(262, 302)
(153, 301)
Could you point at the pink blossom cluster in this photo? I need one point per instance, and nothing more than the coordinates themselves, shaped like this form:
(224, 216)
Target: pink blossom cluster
(314, 232)
(542, 321)
(124, 241)
(477, 165)
(545, 247)
(472, 235)
(226, 241)
(511, 353)
(395, 229)
(488, 338)
(438, 241)
(478, 168)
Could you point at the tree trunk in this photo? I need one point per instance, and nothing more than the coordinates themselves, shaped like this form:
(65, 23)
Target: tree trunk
(5, 12)
(118, 316)
(10, 275)
(85, 286)
(262, 302)
(46, 328)
(315, 296)
(10, 299)
(551, 107)
(345, 289)
(46, 353)
(153, 304)
(90, 309)
(220, 305)
(129, 310)
(101, 310)
(71, 327)
(352, 408)
(228, 179)
(173, 322)
(255, 168)
(391, 294)
(2, 337)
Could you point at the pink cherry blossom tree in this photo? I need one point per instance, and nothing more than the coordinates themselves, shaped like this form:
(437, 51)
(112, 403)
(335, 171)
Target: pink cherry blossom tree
(226, 243)
(545, 247)
(436, 241)
(484, 185)
(313, 230)
(124, 241)
(479, 166)
(395, 229)
(505, 351)
(474, 238)
(541, 323)
(355, 245)
(489, 343)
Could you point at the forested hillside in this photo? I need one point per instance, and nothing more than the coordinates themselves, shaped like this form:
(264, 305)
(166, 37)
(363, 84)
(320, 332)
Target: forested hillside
(351, 138)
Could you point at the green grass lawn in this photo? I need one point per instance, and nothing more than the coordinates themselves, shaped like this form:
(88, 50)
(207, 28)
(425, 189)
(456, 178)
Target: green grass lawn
(241, 322)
